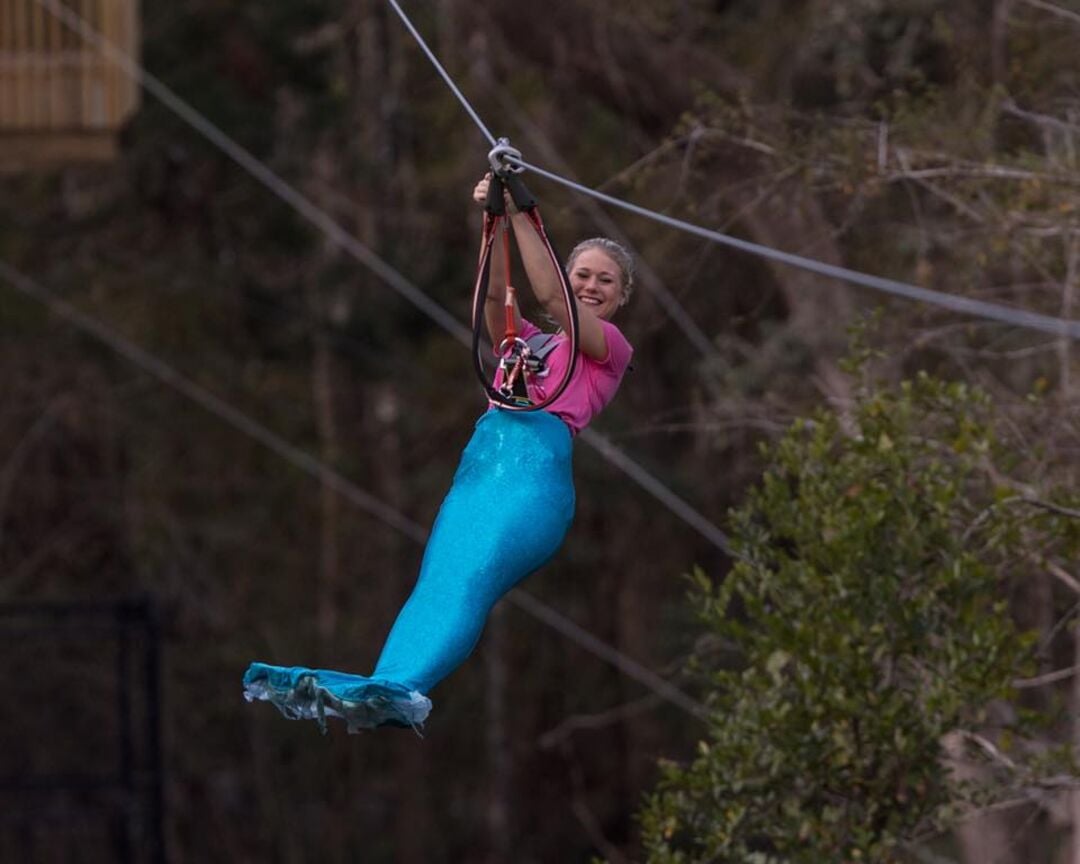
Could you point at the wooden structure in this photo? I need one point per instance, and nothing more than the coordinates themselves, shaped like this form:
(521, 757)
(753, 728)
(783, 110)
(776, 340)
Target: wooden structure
(62, 99)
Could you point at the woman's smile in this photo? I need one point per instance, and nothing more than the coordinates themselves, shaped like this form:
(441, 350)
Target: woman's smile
(595, 279)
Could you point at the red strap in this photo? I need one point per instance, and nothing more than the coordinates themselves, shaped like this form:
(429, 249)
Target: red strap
(508, 306)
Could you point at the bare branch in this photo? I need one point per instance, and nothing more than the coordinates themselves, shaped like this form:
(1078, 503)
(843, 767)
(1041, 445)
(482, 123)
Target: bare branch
(995, 172)
(949, 198)
(1063, 576)
(1053, 508)
(1072, 277)
(1010, 107)
(558, 736)
(988, 747)
(1067, 14)
(1048, 678)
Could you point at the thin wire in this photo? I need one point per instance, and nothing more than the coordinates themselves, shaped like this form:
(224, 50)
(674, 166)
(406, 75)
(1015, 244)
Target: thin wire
(365, 256)
(649, 278)
(216, 406)
(1054, 10)
(658, 490)
(260, 171)
(445, 76)
(953, 302)
(339, 235)
(631, 668)
(674, 309)
(322, 472)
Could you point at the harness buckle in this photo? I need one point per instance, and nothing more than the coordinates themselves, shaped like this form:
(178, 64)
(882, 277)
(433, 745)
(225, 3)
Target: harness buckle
(497, 158)
(514, 355)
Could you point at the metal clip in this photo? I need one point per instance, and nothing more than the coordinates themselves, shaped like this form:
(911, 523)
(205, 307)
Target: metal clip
(511, 349)
(497, 158)
(514, 357)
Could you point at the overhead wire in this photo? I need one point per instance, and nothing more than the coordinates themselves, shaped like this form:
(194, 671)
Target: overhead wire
(259, 170)
(445, 75)
(952, 302)
(308, 464)
(666, 299)
(212, 403)
(398, 282)
(302, 460)
(335, 232)
(647, 276)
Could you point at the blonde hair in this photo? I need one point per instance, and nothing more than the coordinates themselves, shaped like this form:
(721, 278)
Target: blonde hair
(616, 252)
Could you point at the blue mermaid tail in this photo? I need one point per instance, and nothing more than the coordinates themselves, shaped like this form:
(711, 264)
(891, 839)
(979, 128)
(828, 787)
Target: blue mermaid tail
(315, 694)
(505, 516)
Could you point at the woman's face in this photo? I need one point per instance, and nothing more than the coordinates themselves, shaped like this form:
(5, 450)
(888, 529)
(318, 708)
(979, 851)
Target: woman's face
(597, 282)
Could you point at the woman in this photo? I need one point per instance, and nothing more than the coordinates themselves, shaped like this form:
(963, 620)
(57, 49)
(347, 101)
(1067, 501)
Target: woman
(508, 510)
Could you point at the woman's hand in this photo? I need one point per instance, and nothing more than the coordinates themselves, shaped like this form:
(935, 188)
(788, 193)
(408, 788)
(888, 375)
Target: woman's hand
(480, 192)
(480, 195)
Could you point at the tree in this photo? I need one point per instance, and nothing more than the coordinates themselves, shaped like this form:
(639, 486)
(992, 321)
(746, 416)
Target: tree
(860, 652)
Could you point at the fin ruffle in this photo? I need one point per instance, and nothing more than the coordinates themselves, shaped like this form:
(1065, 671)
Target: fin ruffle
(315, 694)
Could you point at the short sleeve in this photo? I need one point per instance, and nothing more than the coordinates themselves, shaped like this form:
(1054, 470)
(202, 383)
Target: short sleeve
(619, 350)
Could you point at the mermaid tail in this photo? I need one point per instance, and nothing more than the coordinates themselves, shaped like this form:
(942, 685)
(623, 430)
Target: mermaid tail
(315, 694)
(506, 514)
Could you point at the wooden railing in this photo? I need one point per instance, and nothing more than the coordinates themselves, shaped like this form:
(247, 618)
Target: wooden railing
(55, 84)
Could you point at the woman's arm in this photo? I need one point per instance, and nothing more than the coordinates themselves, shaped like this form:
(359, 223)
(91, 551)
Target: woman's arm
(494, 308)
(547, 288)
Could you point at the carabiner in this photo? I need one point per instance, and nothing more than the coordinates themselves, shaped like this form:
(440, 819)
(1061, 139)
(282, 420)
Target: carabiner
(513, 362)
(497, 158)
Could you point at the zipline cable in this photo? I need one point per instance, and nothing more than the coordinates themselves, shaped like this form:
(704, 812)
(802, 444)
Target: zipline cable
(646, 276)
(633, 669)
(259, 170)
(674, 309)
(214, 404)
(953, 302)
(445, 75)
(322, 220)
(310, 465)
(658, 490)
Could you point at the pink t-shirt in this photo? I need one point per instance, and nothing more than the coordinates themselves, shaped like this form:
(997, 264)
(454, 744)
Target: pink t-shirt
(593, 383)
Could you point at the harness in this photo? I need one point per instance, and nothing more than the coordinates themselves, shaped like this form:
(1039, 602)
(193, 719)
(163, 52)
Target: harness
(519, 360)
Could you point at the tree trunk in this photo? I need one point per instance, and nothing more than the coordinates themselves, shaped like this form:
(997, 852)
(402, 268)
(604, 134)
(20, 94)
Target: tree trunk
(999, 41)
(499, 755)
(1074, 797)
(818, 308)
(1068, 302)
(323, 392)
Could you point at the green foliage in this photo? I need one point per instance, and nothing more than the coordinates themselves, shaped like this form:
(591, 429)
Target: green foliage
(865, 608)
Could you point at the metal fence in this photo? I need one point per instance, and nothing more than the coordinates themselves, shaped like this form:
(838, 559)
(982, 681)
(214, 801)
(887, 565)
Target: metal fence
(80, 748)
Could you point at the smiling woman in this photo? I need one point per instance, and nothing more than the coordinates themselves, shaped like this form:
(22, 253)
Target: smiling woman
(514, 483)
(617, 271)
(597, 276)
(601, 275)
